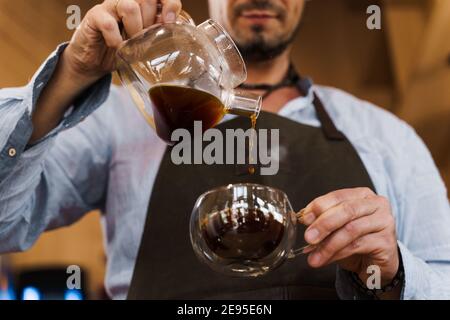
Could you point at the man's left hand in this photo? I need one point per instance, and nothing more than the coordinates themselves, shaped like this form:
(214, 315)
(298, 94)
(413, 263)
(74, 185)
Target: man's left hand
(356, 229)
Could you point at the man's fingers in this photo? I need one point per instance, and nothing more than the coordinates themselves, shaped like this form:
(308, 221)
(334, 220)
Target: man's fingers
(338, 216)
(366, 245)
(149, 10)
(129, 12)
(100, 20)
(138, 14)
(170, 10)
(319, 205)
(348, 236)
(363, 245)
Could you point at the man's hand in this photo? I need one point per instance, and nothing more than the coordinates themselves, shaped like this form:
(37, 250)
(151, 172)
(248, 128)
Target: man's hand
(91, 54)
(355, 228)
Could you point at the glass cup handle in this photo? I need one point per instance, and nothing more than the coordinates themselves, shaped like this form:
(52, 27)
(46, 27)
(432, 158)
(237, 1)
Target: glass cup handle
(302, 250)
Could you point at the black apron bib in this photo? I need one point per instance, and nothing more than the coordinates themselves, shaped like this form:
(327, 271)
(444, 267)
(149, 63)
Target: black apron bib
(316, 161)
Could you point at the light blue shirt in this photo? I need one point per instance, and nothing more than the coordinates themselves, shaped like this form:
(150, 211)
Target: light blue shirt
(104, 156)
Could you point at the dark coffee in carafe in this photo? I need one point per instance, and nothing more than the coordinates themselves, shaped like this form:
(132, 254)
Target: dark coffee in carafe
(178, 107)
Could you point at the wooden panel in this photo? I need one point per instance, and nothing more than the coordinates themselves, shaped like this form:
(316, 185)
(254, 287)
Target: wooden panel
(435, 48)
(29, 31)
(405, 21)
(335, 47)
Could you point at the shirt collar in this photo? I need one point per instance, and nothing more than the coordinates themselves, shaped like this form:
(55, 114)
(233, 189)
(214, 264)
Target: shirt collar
(301, 102)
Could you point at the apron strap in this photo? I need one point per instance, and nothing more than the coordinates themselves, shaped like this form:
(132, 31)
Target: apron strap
(329, 129)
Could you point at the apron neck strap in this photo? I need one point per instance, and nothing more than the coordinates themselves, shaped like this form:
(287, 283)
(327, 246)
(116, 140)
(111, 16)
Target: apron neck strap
(292, 78)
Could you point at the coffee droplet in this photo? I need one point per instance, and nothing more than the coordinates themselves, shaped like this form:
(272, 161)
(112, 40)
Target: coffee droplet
(251, 169)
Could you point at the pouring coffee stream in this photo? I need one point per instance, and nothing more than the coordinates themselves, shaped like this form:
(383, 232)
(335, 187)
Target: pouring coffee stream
(290, 79)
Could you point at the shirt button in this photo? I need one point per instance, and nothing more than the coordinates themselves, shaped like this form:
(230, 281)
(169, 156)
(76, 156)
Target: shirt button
(12, 152)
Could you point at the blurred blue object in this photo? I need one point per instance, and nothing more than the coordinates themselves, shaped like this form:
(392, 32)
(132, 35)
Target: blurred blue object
(73, 295)
(6, 288)
(48, 283)
(31, 293)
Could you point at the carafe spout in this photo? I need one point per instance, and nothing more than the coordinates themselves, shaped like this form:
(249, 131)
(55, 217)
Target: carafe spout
(243, 103)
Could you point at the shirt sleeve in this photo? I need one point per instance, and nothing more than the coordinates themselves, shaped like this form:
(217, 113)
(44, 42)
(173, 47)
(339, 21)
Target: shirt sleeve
(55, 181)
(422, 222)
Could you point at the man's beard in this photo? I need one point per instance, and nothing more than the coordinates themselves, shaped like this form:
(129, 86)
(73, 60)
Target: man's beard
(259, 49)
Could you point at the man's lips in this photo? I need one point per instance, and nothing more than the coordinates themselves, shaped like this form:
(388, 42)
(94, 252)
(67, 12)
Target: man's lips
(260, 16)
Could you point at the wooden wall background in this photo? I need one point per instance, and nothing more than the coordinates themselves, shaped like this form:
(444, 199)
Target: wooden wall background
(403, 68)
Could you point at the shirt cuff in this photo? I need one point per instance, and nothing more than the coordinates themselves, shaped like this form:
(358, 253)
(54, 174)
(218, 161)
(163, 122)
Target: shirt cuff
(415, 285)
(416, 281)
(348, 289)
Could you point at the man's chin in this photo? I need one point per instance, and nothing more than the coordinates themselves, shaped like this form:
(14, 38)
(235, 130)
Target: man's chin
(248, 36)
(259, 48)
(259, 52)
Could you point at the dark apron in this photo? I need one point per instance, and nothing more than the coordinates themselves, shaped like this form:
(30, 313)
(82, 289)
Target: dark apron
(318, 160)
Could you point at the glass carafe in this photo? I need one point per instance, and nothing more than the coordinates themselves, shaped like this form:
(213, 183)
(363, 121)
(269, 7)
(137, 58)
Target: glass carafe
(178, 73)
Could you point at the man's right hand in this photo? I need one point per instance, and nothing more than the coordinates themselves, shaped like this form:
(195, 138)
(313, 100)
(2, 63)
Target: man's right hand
(91, 51)
(91, 54)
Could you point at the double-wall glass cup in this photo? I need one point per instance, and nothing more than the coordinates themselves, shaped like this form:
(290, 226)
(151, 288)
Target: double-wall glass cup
(244, 229)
